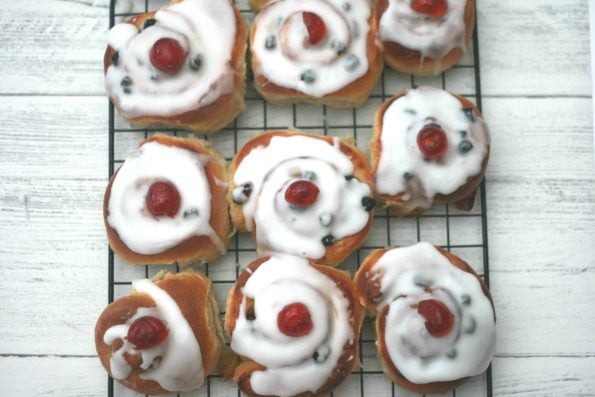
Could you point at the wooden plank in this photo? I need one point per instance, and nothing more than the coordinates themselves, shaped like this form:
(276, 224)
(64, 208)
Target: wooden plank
(540, 206)
(52, 376)
(541, 225)
(53, 137)
(540, 186)
(54, 256)
(536, 47)
(53, 47)
(36, 133)
(513, 376)
(54, 168)
(540, 138)
(544, 313)
(544, 376)
(61, 49)
(540, 197)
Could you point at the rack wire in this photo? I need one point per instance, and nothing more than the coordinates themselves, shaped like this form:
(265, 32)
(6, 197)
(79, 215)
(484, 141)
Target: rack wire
(463, 233)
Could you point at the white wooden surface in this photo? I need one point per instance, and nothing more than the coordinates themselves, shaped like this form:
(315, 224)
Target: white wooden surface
(541, 197)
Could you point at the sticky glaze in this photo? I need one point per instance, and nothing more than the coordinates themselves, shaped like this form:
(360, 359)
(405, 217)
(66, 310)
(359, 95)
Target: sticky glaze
(318, 70)
(419, 272)
(180, 365)
(432, 37)
(203, 28)
(268, 171)
(127, 212)
(402, 168)
(289, 361)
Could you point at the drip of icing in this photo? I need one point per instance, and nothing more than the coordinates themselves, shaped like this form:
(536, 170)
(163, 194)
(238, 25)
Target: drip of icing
(128, 216)
(432, 37)
(411, 274)
(203, 28)
(402, 121)
(331, 63)
(281, 228)
(280, 281)
(180, 367)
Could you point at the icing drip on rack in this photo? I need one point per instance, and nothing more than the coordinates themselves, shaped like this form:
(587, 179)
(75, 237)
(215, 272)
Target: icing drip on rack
(420, 272)
(263, 177)
(127, 212)
(432, 37)
(206, 32)
(402, 168)
(284, 57)
(276, 283)
(176, 364)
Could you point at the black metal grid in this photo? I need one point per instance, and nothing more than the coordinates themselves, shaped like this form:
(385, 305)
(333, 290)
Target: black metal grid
(460, 232)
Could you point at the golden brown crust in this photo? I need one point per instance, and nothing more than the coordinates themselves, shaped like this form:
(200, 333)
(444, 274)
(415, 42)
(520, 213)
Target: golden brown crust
(410, 61)
(196, 248)
(352, 95)
(341, 249)
(463, 198)
(344, 365)
(257, 5)
(210, 118)
(194, 296)
(367, 287)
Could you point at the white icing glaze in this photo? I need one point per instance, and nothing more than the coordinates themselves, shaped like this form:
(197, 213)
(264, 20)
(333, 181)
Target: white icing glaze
(202, 27)
(405, 275)
(282, 228)
(180, 367)
(402, 121)
(347, 30)
(432, 37)
(280, 281)
(127, 213)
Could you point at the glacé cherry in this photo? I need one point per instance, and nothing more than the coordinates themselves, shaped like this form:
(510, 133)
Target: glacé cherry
(301, 193)
(316, 27)
(163, 199)
(146, 332)
(439, 320)
(432, 141)
(294, 320)
(167, 55)
(433, 8)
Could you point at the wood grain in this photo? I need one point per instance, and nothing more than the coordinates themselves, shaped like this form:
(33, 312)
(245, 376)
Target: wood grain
(540, 205)
(536, 47)
(513, 376)
(53, 249)
(57, 214)
(541, 198)
(52, 47)
(521, 54)
(52, 376)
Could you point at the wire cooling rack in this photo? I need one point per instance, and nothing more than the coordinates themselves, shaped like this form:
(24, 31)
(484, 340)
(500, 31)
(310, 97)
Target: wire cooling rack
(463, 233)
